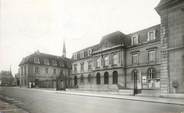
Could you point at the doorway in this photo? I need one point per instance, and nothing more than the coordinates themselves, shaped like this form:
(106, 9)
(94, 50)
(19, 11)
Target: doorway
(135, 78)
(75, 81)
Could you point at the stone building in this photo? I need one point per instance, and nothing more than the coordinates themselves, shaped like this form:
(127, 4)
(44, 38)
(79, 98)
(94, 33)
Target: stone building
(172, 45)
(147, 61)
(45, 70)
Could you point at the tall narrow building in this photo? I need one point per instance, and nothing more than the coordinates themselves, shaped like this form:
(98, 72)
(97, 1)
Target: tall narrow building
(64, 50)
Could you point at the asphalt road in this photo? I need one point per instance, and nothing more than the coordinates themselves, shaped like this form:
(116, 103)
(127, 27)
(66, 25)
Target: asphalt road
(40, 101)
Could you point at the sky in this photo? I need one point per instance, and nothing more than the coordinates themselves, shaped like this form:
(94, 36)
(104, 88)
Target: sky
(30, 25)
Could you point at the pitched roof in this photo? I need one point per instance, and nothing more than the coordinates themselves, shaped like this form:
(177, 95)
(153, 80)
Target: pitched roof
(61, 61)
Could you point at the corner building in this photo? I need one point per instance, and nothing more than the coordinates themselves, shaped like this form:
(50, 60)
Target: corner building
(150, 61)
(45, 71)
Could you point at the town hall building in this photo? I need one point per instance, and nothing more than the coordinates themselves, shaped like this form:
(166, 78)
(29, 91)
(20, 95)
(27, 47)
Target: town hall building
(146, 61)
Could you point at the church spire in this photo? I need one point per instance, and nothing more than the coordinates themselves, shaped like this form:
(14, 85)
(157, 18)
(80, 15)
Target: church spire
(64, 50)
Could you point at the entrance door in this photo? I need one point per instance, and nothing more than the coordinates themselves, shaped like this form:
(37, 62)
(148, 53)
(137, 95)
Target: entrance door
(135, 82)
(75, 80)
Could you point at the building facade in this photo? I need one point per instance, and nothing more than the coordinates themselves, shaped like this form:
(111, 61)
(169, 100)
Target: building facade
(172, 45)
(45, 71)
(147, 61)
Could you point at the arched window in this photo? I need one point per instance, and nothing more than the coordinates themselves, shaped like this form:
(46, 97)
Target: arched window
(82, 79)
(151, 74)
(98, 79)
(75, 80)
(115, 77)
(106, 78)
(89, 78)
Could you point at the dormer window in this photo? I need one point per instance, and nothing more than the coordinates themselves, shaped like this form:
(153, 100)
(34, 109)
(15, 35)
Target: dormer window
(46, 61)
(89, 52)
(36, 60)
(135, 39)
(151, 35)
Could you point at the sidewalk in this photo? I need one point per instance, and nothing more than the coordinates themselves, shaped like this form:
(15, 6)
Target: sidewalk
(114, 95)
(9, 108)
(133, 98)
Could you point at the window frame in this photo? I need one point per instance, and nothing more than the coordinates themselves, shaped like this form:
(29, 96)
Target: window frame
(115, 59)
(151, 37)
(82, 66)
(137, 58)
(36, 69)
(46, 70)
(89, 65)
(98, 62)
(54, 71)
(135, 39)
(106, 61)
(36, 60)
(151, 56)
(46, 61)
(75, 67)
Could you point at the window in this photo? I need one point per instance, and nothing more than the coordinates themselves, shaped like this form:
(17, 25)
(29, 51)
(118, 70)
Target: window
(46, 70)
(106, 61)
(151, 74)
(54, 71)
(98, 62)
(115, 59)
(98, 79)
(89, 52)
(46, 61)
(82, 66)
(82, 79)
(89, 65)
(151, 35)
(135, 39)
(115, 77)
(152, 56)
(135, 59)
(153, 81)
(36, 70)
(106, 78)
(54, 62)
(82, 54)
(75, 56)
(75, 68)
(36, 60)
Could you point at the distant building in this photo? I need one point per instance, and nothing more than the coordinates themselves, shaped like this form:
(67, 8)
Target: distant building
(6, 78)
(147, 61)
(45, 71)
